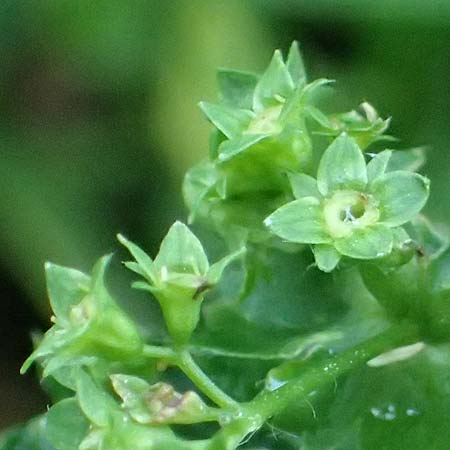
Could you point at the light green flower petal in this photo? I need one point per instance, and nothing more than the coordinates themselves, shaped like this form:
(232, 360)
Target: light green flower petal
(230, 121)
(342, 166)
(377, 166)
(401, 195)
(327, 257)
(366, 243)
(299, 221)
(303, 185)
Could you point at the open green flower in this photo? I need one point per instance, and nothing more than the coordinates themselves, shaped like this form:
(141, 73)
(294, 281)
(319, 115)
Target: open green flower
(178, 277)
(351, 209)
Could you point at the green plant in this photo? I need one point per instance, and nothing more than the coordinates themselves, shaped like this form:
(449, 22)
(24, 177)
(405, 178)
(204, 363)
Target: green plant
(324, 322)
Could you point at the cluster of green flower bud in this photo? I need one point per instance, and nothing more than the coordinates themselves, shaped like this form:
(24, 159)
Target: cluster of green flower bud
(260, 171)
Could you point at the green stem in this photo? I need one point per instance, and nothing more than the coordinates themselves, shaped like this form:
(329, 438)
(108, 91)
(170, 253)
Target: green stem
(270, 403)
(203, 382)
(157, 352)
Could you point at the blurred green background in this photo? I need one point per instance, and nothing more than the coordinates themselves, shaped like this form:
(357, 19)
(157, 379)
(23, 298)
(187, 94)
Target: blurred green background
(99, 120)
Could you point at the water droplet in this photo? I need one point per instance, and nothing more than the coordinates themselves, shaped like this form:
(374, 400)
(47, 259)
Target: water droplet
(387, 414)
(412, 412)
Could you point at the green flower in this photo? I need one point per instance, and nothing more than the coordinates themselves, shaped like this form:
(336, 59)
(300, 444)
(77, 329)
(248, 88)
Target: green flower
(352, 208)
(365, 126)
(260, 123)
(178, 277)
(87, 321)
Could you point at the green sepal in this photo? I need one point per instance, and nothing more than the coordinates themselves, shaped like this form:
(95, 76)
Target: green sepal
(371, 242)
(234, 147)
(198, 183)
(412, 159)
(401, 195)
(296, 104)
(181, 251)
(216, 270)
(326, 256)
(342, 166)
(429, 240)
(230, 121)
(378, 165)
(97, 405)
(295, 66)
(66, 426)
(236, 87)
(300, 221)
(275, 81)
(403, 249)
(145, 263)
(303, 185)
(66, 287)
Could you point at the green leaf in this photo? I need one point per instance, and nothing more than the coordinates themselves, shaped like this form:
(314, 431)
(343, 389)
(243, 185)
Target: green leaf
(66, 287)
(411, 160)
(396, 407)
(66, 425)
(31, 436)
(378, 164)
(237, 87)
(144, 260)
(275, 81)
(342, 166)
(97, 405)
(327, 257)
(295, 65)
(230, 149)
(230, 121)
(401, 196)
(181, 251)
(303, 185)
(366, 243)
(216, 270)
(299, 221)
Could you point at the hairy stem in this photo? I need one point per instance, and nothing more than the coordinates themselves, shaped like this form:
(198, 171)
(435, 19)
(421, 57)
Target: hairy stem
(270, 403)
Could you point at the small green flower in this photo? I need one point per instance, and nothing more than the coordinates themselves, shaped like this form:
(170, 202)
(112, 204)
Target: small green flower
(178, 277)
(365, 126)
(351, 209)
(159, 403)
(260, 122)
(87, 322)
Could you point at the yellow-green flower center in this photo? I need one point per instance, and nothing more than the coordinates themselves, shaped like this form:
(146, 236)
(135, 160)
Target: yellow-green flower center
(266, 122)
(346, 211)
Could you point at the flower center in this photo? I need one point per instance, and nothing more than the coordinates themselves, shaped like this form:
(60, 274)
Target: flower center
(346, 211)
(266, 122)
